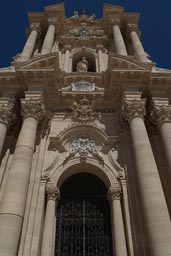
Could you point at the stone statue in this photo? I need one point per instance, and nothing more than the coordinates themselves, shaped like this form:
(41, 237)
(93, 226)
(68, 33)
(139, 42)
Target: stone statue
(75, 16)
(82, 65)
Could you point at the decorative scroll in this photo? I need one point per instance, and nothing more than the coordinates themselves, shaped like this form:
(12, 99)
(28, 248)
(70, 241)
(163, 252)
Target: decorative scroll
(83, 146)
(82, 86)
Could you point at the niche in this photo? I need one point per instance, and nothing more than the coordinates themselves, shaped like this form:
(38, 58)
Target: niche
(83, 62)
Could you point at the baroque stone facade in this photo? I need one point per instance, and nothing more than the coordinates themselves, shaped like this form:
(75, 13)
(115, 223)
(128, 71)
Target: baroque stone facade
(83, 97)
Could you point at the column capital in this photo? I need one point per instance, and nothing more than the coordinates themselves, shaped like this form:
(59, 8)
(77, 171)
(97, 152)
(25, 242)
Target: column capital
(133, 106)
(7, 113)
(114, 193)
(161, 111)
(33, 106)
(53, 194)
(35, 27)
(133, 27)
(99, 47)
(115, 21)
(52, 21)
(67, 47)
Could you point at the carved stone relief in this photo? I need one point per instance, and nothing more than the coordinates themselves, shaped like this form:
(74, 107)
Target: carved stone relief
(83, 145)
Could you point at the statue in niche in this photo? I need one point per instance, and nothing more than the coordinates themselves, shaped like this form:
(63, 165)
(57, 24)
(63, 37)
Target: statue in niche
(82, 65)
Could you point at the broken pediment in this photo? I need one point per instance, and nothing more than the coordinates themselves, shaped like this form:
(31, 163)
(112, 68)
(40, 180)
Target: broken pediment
(122, 62)
(50, 61)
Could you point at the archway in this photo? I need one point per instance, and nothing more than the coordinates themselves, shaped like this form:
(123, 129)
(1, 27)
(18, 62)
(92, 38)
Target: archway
(83, 218)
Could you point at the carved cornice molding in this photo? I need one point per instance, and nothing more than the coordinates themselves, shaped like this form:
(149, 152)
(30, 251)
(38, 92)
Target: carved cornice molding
(7, 112)
(32, 106)
(53, 194)
(114, 193)
(133, 108)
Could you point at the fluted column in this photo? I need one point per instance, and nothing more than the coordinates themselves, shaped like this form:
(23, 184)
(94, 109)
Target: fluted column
(6, 117)
(153, 200)
(162, 116)
(15, 194)
(118, 233)
(30, 44)
(67, 58)
(100, 57)
(137, 45)
(49, 38)
(118, 39)
(53, 196)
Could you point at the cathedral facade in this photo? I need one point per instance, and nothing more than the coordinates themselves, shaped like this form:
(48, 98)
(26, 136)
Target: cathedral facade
(85, 140)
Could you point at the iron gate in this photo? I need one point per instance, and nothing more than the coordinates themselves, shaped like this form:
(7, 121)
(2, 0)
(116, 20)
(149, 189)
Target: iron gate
(83, 228)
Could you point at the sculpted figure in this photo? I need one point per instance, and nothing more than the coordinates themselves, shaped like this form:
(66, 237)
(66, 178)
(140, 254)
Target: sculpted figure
(75, 16)
(82, 66)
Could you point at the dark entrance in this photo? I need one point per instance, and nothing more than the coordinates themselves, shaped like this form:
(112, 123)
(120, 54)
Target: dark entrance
(83, 218)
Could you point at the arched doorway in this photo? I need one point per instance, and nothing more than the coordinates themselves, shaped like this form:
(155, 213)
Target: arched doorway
(83, 226)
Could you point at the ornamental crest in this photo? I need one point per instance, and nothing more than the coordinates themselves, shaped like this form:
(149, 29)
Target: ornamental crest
(83, 112)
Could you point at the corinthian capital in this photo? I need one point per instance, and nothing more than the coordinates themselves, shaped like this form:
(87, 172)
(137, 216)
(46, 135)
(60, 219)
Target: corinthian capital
(32, 106)
(133, 108)
(53, 194)
(161, 113)
(7, 114)
(114, 193)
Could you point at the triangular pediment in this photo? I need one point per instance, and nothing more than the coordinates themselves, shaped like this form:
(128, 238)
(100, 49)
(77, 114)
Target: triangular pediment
(48, 61)
(123, 62)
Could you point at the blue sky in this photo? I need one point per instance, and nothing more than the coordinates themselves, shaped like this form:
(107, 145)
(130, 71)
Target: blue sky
(155, 23)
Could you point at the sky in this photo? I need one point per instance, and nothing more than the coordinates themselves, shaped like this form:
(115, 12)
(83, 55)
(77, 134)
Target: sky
(155, 24)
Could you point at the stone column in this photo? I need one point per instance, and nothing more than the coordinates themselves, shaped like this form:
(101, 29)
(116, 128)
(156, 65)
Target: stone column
(15, 194)
(152, 196)
(49, 38)
(162, 116)
(53, 196)
(67, 58)
(100, 57)
(118, 39)
(118, 233)
(137, 45)
(6, 117)
(30, 44)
